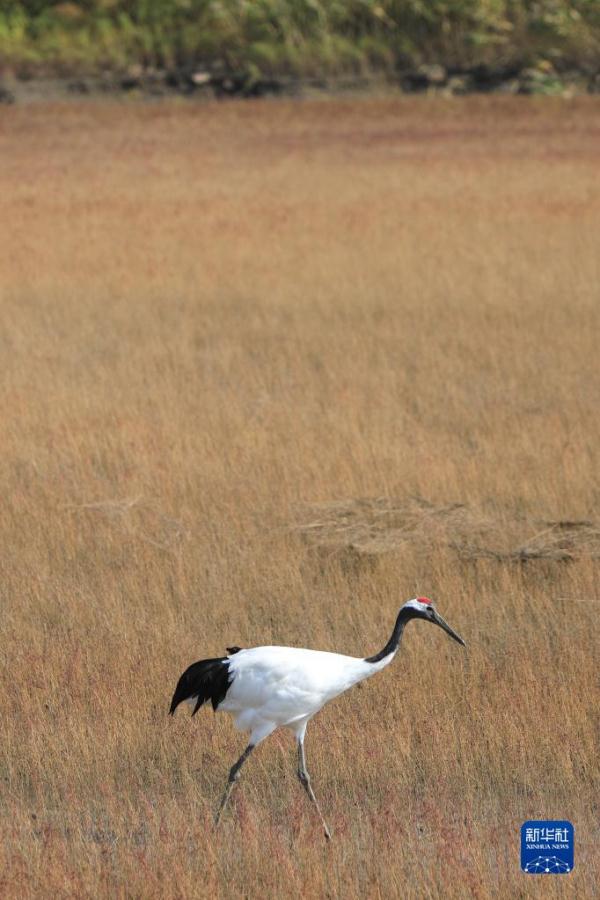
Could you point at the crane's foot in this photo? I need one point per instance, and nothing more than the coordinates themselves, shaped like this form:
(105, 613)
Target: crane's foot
(305, 782)
(233, 777)
(223, 804)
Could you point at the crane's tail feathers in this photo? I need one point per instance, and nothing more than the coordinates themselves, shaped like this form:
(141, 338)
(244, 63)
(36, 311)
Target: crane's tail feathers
(205, 680)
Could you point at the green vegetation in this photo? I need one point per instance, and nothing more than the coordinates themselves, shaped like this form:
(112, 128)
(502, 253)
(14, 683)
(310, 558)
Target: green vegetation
(297, 38)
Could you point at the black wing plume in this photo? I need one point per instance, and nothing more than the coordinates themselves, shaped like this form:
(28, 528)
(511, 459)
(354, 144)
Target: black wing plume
(205, 680)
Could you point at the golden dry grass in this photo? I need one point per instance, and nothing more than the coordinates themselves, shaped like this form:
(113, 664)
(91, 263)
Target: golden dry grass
(213, 318)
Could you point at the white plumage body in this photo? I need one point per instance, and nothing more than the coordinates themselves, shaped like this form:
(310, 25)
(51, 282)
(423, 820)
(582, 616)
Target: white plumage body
(285, 686)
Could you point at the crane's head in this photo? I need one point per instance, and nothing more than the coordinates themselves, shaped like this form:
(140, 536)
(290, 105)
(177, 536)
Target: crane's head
(423, 608)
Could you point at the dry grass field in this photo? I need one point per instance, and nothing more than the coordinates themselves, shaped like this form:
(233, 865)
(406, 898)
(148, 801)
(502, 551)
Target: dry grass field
(226, 330)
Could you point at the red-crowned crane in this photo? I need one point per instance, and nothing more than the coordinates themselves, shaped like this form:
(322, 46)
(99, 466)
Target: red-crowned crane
(268, 687)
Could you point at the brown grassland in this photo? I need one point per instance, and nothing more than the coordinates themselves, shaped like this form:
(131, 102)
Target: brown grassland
(214, 319)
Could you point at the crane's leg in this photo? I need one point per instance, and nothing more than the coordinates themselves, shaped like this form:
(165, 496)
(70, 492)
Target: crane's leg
(233, 777)
(305, 781)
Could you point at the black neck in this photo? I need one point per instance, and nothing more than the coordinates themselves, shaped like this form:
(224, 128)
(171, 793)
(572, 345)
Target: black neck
(404, 616)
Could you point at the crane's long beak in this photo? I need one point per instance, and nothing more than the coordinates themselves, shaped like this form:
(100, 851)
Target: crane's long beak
(443, 624)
